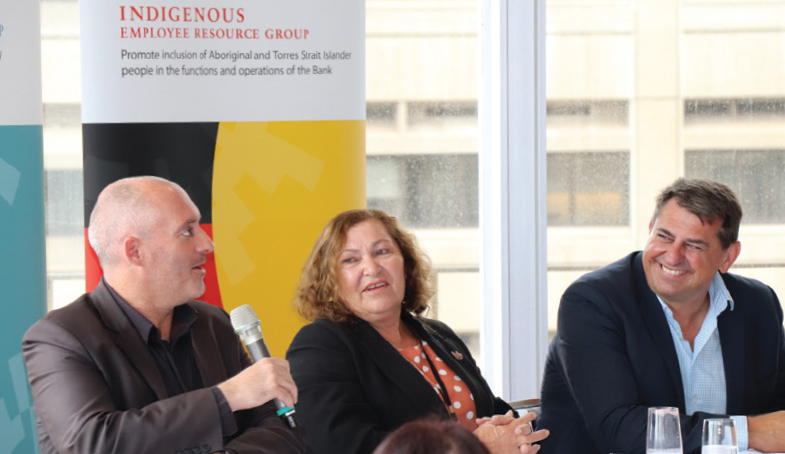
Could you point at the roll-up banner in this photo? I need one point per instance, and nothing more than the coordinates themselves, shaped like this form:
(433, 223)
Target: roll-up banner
(22, 231)
(257, 109)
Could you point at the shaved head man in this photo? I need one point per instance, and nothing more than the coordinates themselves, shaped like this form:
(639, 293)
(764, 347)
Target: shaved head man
(138, 365)
(146, 234)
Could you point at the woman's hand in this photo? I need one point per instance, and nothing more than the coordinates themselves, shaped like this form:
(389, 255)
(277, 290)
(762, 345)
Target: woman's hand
(503, 434)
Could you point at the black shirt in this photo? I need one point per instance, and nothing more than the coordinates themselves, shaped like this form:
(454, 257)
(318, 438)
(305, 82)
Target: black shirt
(175, 358)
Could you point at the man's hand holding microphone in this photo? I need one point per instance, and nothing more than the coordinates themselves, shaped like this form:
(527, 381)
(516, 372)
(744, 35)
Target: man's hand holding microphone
(267, 379)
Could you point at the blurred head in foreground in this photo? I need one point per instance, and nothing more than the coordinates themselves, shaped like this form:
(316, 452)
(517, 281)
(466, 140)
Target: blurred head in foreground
(431, 436)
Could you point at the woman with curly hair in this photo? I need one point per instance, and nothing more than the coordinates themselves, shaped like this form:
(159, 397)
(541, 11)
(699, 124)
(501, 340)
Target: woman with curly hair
(370, 362)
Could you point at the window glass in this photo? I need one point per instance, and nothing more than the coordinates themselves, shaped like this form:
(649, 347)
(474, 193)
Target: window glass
(61, 196)
(61, 90)
(577, 197)
(426, 191)
(380, 116)
(697, 111)
(755, 175)
(583, 113)
(690, 88)
(442, 116)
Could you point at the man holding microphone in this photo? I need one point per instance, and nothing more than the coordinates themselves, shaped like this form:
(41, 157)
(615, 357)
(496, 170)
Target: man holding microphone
(139, 366)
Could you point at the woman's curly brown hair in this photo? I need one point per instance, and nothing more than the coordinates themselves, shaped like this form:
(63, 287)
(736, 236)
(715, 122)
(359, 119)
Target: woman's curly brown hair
(317, 292)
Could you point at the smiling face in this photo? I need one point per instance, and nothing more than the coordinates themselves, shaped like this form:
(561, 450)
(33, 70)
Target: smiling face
(174, 249)
(683, 254)
(371, 281)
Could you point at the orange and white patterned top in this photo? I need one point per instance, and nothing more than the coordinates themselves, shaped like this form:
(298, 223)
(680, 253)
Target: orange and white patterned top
(462, 399)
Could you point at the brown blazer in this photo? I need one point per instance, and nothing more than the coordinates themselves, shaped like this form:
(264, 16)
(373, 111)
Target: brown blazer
(96, 387)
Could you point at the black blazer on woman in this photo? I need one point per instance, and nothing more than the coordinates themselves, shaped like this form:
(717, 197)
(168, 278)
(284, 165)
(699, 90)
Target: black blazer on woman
(355, 387)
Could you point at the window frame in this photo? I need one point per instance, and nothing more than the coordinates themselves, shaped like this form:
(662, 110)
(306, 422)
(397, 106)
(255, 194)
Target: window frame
(513, 191)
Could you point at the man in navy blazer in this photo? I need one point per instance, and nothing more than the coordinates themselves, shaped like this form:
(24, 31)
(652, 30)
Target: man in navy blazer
(668, 326)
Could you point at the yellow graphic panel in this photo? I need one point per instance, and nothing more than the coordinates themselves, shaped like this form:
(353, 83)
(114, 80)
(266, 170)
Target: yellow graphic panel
(275, 185)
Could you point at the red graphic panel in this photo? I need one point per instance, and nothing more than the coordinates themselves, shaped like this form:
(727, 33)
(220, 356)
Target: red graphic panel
(212, 294)
(92, 269)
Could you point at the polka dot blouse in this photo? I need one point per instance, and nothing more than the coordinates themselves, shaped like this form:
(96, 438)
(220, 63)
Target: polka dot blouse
(461, 397)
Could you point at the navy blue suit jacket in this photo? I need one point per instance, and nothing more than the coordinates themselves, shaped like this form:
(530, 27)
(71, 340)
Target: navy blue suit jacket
(613, 357)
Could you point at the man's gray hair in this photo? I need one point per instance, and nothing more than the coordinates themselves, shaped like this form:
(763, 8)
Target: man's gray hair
(708, 200)
(122, 208)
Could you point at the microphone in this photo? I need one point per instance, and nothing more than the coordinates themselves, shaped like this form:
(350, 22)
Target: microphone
(247, 325)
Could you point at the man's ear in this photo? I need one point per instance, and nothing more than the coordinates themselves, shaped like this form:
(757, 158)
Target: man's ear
(730, 256)
(132, 250)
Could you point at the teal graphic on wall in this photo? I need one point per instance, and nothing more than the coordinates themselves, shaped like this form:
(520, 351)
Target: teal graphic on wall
(22, 277)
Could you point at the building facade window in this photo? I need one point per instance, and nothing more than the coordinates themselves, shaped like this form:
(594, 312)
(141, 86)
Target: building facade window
(425, 191)
(746, 109)
(755, 176)
(587, 112)
(577, 197)
(63, 194)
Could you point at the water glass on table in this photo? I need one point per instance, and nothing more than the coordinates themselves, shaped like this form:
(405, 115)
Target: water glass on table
(719, 437)
(663, 431)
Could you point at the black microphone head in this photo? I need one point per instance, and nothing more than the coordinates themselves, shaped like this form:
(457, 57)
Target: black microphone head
(243, 317)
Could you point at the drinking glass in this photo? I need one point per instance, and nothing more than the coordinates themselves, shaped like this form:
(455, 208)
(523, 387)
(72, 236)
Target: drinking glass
(663, 432)
(719, 437)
